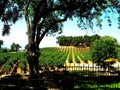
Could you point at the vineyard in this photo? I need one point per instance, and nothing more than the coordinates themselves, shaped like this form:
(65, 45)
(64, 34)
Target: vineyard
(11, 62)
(65, 56)
(53, 57)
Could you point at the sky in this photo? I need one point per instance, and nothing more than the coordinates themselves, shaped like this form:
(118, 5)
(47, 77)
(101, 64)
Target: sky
(18, 33)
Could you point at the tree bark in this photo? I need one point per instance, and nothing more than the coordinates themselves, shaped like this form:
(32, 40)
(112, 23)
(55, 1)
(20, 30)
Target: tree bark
(32, 50)
(33, 59)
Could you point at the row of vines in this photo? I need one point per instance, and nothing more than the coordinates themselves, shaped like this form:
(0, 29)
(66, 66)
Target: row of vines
(77, 55)
(10, 60)
(53, 57)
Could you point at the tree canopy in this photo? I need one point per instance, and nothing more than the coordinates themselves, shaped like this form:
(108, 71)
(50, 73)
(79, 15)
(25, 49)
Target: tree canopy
(104, 48)
(48, 15)
(15, 47)
(77, 40)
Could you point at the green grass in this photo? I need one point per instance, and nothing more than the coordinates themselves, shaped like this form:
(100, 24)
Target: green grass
(95, 86)
(96, 82)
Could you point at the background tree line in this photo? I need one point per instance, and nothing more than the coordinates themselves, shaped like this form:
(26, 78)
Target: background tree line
(14, 47)
(77, 40)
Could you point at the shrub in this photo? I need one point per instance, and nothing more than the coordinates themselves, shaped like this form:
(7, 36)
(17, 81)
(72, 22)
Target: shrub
(104, 48)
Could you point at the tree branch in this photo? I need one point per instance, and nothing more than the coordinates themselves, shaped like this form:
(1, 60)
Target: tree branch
(42, 15)
(38, 15)
(27, 20)
(50, 26)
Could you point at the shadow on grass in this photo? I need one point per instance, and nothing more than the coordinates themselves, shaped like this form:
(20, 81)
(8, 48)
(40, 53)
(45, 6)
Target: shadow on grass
(60, 80)
(98, 83)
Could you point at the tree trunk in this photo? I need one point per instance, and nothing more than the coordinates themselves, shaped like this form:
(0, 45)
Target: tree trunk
(32, 57)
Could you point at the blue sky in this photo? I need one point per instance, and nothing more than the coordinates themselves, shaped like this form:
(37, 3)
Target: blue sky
(18, 33)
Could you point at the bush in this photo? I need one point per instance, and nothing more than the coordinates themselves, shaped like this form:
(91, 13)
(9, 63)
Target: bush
(103, 49)
(5, 50)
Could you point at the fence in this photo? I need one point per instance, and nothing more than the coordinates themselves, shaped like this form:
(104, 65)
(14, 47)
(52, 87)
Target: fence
(88, 77)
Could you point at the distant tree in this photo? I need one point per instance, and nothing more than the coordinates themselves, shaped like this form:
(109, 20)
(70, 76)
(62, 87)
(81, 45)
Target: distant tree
(69, 41)
(94, 38)
(1, 43)
(61, 40)
(87, 40)
(45, 17)
(5, 50)
(76, 40)
(81, 39)
(104, 48)
(15, 47)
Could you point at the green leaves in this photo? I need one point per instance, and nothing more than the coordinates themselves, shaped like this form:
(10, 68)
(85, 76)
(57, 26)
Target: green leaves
(104, 48)
(6, 29)
(15, 47)
(54, 13)
(76, 41)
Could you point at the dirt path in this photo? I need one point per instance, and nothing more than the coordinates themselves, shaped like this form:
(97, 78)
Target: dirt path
(1, 67)
(67, 60)
(73, 55)
(90, 62)
(81, 61)
(13, 68)
(117, 62)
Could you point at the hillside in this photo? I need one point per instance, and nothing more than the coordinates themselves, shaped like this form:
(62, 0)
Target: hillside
(51, 58)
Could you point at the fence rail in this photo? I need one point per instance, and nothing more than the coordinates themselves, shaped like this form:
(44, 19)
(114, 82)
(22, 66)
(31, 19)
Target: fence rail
(88, 77)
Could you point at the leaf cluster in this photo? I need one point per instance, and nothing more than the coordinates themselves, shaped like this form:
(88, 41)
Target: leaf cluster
(104, 48)
(9, 14)
(47, 16)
